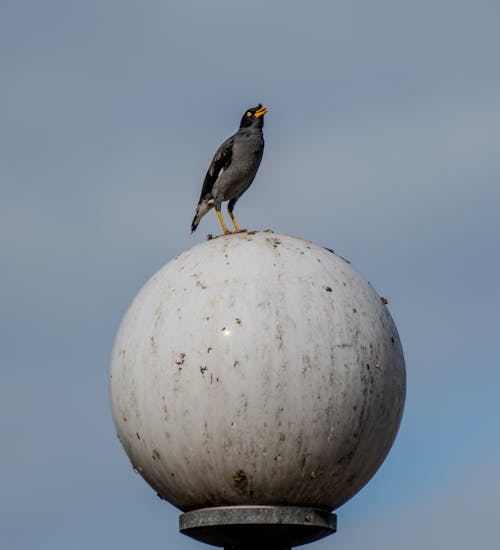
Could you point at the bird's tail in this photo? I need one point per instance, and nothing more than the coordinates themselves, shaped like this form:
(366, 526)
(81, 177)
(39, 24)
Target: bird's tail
(202, 208)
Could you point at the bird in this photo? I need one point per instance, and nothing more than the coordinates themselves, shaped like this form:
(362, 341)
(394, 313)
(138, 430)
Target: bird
(233, 169)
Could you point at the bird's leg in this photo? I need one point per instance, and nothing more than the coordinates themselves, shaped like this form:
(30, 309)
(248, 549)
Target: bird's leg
(221, 219)
(230, 207)
(235, 223)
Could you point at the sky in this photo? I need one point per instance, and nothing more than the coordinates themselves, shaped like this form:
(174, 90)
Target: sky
(382, 142)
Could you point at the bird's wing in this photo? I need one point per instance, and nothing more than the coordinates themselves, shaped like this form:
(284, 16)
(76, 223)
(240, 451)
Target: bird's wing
(220, 162)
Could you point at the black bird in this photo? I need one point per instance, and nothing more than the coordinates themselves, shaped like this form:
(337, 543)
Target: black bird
(233, 168)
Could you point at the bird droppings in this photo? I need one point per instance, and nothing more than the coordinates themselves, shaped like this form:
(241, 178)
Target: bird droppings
(155, 455)
(209, 350)
(203, 370)
(236, 363)
(239, 479)
(210, 237)
(138, 436)
(307, 519)
(180, 362)
(312, 475)
(354, 310)
(328, 288)
(274, 241)
(345, 459)
(351, 478)
(238, 321)
(385, 301)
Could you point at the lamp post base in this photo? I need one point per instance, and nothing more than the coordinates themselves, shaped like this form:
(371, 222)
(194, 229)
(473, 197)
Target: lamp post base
(262, 527)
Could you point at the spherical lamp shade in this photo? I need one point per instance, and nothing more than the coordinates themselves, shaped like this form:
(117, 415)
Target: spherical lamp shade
(257, 369)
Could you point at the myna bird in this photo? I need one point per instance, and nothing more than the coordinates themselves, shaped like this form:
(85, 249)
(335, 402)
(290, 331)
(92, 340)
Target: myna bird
(233, 168)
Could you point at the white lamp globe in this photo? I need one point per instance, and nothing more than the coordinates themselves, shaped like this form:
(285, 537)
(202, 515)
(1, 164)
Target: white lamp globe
(257, 369)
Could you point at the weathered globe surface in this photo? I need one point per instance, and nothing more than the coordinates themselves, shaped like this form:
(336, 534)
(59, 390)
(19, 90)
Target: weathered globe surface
(257, 369)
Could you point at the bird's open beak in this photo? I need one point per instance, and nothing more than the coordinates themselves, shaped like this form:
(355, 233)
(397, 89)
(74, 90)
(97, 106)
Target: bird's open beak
(260, 112)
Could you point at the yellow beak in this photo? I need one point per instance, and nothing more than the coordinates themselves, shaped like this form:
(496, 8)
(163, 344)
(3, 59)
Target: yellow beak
(261, 112)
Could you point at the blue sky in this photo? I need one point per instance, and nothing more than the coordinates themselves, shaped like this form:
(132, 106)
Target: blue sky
(382, 142)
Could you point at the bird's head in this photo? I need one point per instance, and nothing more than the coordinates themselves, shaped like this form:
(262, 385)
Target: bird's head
(253, 117)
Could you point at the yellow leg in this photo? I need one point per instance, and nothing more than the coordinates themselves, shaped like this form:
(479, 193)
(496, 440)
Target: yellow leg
(235, 223)
(221, 219)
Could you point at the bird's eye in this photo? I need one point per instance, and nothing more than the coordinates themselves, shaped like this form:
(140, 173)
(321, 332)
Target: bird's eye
(249, 113)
